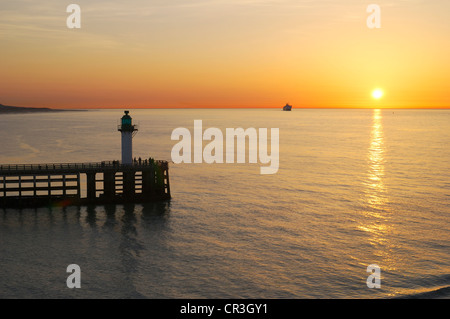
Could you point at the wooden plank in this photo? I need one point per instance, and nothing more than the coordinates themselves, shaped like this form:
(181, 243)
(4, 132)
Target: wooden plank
(40, 180)
(38, 188)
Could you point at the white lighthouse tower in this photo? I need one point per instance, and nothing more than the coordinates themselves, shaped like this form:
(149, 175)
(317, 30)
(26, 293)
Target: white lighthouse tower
(128, 130)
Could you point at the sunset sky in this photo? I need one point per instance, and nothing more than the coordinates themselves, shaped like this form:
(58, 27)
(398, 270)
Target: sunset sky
(224, 53)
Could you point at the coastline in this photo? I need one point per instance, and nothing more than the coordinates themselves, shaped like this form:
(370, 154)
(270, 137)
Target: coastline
(6, 109)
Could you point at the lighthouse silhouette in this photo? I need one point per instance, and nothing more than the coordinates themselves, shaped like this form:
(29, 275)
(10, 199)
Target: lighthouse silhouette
(128, 130)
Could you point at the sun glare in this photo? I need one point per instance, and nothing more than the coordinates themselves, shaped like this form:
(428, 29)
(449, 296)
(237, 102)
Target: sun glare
(377, 94)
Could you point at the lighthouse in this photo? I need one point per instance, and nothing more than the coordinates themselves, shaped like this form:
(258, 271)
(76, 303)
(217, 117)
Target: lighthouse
(128, 130)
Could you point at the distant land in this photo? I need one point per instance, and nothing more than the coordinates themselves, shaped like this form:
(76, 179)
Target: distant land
(20, 109)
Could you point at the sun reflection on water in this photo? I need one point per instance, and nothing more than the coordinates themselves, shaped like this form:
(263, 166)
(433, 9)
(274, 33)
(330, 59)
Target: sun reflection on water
(376, 190)
(375, 221)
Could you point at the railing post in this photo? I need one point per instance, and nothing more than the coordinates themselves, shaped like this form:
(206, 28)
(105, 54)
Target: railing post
(20, 186)
(34, 186)
(167, 180)
(4, 186)
(64, 185)
(78, 185)
(49, 185)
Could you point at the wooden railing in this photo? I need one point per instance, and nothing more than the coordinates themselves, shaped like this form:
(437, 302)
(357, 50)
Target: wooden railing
(81, 166)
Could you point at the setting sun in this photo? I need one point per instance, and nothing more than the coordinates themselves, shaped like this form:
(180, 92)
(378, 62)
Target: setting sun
(377, 94)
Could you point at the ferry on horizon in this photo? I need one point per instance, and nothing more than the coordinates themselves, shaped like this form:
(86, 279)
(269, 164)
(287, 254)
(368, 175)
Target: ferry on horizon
(287, 107)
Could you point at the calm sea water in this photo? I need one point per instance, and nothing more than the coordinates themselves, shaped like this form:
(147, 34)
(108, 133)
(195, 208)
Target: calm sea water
(354, 188)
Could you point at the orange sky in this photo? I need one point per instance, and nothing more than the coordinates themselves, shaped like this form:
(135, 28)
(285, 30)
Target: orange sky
(225, 53)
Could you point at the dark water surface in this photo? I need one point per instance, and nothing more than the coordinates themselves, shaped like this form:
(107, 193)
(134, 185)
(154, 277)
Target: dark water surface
(354, 188)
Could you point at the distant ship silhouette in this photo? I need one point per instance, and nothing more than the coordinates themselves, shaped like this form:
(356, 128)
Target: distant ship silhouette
(287, 107)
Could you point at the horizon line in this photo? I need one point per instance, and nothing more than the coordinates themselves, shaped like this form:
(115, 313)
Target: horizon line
(257, 107)
(230, 107)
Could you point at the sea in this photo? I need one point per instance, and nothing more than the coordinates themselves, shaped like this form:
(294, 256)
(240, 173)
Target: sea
(361, 196)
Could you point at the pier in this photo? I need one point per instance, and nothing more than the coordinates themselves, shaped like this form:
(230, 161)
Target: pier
(107, 182)
(83, 183)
